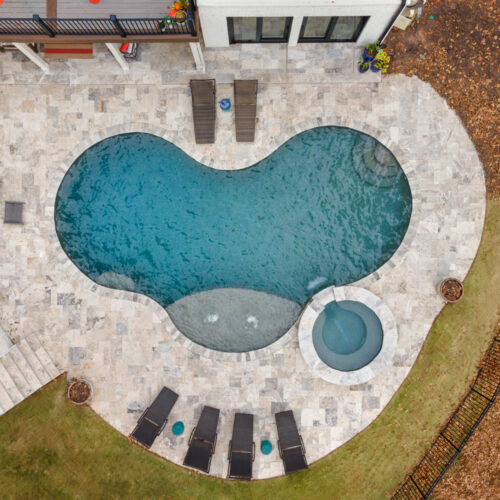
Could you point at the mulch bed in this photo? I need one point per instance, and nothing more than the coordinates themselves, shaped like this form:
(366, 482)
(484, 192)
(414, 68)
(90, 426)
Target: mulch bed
(476, 474)
(79, 392)
(457, 52)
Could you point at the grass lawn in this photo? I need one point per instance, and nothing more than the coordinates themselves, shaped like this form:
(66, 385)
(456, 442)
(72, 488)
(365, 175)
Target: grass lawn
(52, 449)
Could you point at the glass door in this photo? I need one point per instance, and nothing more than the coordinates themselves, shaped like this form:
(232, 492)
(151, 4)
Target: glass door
(332, 29)
(258, 29)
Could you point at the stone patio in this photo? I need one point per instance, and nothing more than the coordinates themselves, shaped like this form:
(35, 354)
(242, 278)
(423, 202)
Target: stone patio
(125, 344)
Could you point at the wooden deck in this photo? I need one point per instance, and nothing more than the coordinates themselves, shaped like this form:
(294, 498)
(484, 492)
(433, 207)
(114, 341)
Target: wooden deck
(84, 9)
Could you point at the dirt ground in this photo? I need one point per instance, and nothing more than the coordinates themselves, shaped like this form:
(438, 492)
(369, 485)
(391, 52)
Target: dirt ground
(455, 46)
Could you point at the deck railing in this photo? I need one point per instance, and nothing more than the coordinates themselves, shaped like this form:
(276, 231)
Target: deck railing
(98, 27)
(459, 428)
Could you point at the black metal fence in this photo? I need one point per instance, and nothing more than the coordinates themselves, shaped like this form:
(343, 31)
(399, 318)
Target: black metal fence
(457, 431)
(95, 27)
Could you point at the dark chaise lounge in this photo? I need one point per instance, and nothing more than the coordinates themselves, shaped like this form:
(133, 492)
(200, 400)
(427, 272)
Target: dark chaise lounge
(290, 444)
(245, 109)
(154, 418)
(202, 440)
(241, 448)
(203, 100)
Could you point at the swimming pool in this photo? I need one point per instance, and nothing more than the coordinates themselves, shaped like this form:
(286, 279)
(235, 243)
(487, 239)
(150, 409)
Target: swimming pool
(347, 335)
(329, 206)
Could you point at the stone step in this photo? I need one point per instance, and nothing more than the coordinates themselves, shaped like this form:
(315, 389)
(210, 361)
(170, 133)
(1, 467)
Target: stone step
(24, 367)
(6, 402)
(9, 385)
(34, 362)
(43, 356)
(21, 383)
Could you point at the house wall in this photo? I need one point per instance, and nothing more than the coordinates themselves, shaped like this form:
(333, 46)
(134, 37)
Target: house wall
(214, 14)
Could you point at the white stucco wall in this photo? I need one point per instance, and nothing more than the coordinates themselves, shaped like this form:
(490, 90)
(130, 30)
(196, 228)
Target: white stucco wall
(213, 15)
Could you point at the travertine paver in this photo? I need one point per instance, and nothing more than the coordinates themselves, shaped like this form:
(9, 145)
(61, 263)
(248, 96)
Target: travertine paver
(126, 345)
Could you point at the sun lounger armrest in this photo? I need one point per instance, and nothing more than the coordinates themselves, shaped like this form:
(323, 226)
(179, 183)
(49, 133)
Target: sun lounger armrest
(279, 449)
(191, 436)
(163, 426)
(253, 451)
(229, 452)
(214, 443)
(143, 414)
(302, 445)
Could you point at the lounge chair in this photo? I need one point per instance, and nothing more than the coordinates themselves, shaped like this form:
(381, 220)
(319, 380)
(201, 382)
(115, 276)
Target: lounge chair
(13, 212)
(290, 444)
(241, 452)
(154, 418)
(203, 100)
(245, 109)
(203, 440)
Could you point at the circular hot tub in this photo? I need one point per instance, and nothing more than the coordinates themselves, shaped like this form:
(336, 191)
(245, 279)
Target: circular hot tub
(347, 335)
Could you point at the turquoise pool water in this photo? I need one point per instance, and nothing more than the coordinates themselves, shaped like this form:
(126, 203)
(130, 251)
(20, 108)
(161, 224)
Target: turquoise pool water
(347, 335)
(329, 206)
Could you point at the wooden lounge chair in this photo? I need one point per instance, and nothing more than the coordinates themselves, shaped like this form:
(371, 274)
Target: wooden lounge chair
(154, 418)
(290, 444)
(203, 440)
(203, 99)
(245, 109)
(241, 452)
(13, 212)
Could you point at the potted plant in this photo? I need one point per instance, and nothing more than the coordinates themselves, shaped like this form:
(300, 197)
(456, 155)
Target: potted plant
(179, 11)
(79, 391)
(364, 65)
(451, 289)
(381, 62)
(372, 49)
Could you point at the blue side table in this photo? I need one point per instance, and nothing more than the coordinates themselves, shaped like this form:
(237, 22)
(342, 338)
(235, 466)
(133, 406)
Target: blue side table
(266, 447)
(225, 104)
(178, 428)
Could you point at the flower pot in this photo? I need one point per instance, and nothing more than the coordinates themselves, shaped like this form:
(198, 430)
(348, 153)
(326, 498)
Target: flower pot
(451, 289)
(180, 16)
(367, 57)
(361, 70)
(374, 69)
(79, 391)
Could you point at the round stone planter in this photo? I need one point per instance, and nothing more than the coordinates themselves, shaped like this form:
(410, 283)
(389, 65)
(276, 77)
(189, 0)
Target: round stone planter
(451, 290)
(79, 391)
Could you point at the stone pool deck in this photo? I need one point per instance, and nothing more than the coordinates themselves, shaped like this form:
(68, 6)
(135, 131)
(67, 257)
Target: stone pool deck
(124, 343)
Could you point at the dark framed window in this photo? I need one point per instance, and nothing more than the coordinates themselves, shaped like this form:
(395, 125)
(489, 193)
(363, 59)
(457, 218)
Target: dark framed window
(258, 29)
(332, 29)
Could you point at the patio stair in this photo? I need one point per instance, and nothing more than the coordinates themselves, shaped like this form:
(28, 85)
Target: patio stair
(24, 368)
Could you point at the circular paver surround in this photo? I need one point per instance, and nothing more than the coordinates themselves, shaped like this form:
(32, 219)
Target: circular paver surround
(315, 307)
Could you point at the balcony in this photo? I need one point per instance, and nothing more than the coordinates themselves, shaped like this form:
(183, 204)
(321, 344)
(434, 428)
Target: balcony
(114, 21)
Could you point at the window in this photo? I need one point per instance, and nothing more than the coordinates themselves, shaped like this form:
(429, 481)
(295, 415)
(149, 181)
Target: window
(332, 29)
(258, 29)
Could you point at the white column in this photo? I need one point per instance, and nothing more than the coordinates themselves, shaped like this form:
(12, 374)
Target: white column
(33, 56)
(198, 55)
(118, 56)
(295, 31)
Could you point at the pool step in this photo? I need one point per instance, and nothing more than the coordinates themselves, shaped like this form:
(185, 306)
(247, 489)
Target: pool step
(24, 368)
(369, 168)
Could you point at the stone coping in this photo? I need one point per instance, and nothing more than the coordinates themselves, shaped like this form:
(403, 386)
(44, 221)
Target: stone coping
(314, 309)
